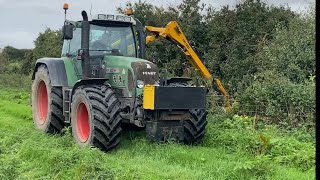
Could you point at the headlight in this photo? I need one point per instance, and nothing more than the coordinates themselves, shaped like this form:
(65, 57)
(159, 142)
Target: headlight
(140, 84)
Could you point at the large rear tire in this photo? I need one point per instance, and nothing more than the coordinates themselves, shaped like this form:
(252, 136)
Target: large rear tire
(46, 103)
(194, 127)
(95, 117)
(185, 126)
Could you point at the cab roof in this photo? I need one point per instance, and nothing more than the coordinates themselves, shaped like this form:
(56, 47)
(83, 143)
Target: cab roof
(115, 18)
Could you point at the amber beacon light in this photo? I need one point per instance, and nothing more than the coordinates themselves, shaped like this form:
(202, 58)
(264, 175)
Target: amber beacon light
(65, 6)
(128, 12)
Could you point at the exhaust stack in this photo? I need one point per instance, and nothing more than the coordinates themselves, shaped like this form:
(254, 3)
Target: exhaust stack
(85, 33)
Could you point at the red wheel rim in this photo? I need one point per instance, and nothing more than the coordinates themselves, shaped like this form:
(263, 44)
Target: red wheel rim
(83, 126)
(42, 97)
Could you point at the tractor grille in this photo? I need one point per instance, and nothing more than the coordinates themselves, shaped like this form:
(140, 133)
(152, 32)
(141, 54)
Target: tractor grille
(146, 72)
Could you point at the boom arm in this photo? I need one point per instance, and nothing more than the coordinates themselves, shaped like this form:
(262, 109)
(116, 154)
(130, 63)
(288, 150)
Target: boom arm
(173, 32)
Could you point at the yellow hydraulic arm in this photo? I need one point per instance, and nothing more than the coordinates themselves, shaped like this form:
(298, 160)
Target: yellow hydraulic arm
(173, 32)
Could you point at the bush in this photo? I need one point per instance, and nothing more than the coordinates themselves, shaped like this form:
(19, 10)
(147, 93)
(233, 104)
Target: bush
(292, 51)
(16, 81)
(288, 104)
(283, 87)
(14, 54)
(48, 44)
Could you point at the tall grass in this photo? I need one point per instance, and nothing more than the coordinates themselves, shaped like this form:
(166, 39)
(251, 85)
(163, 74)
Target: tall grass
(229, 151)
(233, 148)
(15, 81)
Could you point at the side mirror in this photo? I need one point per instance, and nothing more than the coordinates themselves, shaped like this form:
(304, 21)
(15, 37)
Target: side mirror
(67, 31)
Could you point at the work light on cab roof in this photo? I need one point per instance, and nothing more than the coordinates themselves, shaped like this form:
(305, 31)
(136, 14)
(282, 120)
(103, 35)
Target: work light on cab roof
(111, 17)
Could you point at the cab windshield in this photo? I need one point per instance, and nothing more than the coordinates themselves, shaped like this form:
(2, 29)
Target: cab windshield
(116, 39)
(107, 40)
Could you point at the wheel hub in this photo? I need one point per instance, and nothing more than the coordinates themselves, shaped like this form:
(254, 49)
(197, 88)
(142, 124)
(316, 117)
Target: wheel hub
(83, 126)
(42, 104)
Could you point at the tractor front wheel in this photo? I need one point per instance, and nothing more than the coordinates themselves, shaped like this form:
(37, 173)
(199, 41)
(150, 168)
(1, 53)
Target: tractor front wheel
(95, 117)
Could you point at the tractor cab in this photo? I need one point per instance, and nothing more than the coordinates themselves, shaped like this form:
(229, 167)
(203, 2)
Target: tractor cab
(117, 35)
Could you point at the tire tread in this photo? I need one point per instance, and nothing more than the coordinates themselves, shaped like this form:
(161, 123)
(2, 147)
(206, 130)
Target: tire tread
(106, 123)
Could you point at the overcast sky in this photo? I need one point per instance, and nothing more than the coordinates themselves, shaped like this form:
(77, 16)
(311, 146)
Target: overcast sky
(22, 20)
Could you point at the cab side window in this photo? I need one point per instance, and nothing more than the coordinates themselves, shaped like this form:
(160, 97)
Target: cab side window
(72, 46)
(75, 42)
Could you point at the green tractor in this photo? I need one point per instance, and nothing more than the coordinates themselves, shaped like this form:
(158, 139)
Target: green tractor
(102, 82)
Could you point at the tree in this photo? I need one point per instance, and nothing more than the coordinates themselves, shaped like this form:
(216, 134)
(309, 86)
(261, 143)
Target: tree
(3, 62)
(284, 83)
(14, 54)
(48, 44)
(237, 35)
(292, 50)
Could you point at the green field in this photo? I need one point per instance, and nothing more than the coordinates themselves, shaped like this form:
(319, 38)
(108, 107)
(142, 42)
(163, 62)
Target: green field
(232, 149)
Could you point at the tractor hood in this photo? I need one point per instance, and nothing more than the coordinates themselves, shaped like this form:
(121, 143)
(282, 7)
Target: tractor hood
(124, 72)
(123, 59)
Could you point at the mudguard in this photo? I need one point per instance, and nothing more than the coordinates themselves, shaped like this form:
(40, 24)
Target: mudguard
(56, 68)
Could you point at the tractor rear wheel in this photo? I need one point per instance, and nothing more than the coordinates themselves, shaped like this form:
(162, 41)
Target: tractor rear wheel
(194, 126)
(185, 126)
(95, 117)
(46, 103)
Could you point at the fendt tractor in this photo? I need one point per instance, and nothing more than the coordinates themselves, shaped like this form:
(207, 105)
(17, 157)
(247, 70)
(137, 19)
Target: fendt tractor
(102, 81)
